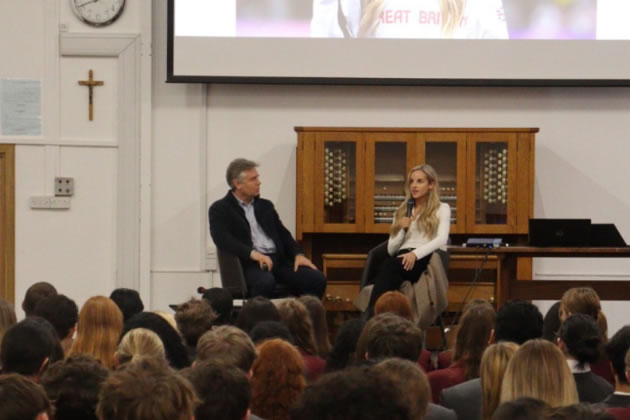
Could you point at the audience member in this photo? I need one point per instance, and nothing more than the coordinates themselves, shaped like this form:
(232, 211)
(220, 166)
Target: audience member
(256, 310)
(139, 343)
(224, 391)
(7, 317)
(539, 370)
(267, 330)
(617, 348)
(34, 294)
(229, 345)
(551, 323)
(524, 408)
(277, 379)
(295, 316)
(518, 321)
(222, 303)
(343, 351)
(168, 317)
(317, 313)
(194, 318)
(146, 390)
(128, 301)
(98, 331)
(388, 335)
(22, 399)
(176, 353)
(580, 340)
(73, 386)
(578, 412)
(63, 314)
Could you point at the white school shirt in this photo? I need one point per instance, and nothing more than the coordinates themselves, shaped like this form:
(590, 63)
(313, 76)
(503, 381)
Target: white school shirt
(418, 241)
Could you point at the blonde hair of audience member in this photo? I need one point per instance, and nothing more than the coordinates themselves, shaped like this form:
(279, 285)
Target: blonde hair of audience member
(317, 313)
(493, 364)
(427, 220)
(7, 317)
(140, 342)
(584, 300)
(472, 338)
(371, 10)
(295, 316)
(278, 379)
(394, 302)
(413, 382)
(229, 345)
(169, 317)
(98, 330)
(539, 370)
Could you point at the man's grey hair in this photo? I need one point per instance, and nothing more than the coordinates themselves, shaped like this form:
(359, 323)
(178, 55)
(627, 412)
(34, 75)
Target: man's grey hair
(236, 168)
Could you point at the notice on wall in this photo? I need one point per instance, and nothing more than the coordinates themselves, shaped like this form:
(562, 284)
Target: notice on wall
(20, 107)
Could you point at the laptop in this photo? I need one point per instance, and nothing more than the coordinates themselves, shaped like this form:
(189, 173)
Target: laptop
(606, 234)
(560, 232)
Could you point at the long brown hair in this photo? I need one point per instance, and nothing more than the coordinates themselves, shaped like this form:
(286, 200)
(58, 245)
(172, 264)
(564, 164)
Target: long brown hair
(98, 330)
(320, 328)
(493, 364)
(472, 339)
(295, 316)
(427, 220)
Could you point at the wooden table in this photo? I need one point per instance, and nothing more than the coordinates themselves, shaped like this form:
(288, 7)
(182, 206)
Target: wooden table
(511, 288)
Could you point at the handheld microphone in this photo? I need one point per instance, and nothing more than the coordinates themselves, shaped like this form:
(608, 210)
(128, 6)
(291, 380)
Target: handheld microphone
(201, 289)
(410, 203)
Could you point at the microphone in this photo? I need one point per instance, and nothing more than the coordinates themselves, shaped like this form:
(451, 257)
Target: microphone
(410, 203)
(201, 289)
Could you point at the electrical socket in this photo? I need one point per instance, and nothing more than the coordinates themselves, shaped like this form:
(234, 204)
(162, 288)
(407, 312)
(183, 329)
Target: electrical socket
(39, 202)
(64, 187)
(59, 202)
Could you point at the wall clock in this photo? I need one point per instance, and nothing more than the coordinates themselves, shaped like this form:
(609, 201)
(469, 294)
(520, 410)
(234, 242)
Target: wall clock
(98, 12)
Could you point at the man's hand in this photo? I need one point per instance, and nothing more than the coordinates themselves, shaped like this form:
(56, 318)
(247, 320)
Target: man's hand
(262, 259)
(302, 260)
(408, 260)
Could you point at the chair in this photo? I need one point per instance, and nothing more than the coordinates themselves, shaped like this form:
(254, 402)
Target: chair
(233, 277)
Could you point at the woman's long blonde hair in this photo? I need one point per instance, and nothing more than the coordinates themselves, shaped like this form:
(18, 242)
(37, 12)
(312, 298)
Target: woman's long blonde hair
(427, 220)
(138, 343)
(371, 10)
(493, 364)
(98, 330)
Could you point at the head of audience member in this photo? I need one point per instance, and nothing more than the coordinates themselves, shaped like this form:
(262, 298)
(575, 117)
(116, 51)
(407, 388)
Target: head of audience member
(176, 353)
(524, 408)
(551, 323)
(7, 317)
(578, 412)
(411, 381)
(295, 316)
(267, 330)
(138, 343)
(616, 350)
(584, 300)
(224, 391)
(146, 390)
(169, 317)
(98, 331)
(128, 301)
(34, 294)
(278, 379)
(539, 370)
(394, 302)
(343, 351)
(580, 339)
(222, 302)
(22, 399)
(62, 313)
(256, 310)
(194, 318)
(476, 302)
(317, 313)
(388, 335)
(228, 345)
(73, 386)
(29, 347)
(493, 364)
(518, 321)
(473, 335)
(356, 393)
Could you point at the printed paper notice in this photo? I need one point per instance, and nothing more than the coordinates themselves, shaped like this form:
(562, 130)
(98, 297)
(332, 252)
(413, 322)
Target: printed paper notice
(20, 106)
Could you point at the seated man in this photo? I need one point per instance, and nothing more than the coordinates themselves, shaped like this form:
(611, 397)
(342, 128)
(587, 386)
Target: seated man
(249, 227)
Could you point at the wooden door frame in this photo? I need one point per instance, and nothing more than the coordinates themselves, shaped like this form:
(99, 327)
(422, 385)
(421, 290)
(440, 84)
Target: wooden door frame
(7, 221)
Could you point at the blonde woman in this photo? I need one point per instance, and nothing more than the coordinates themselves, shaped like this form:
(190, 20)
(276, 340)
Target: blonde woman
(98, 330)
(413, 238)
(539, 370)
(140, 342)
(472, 19)
(493, 365)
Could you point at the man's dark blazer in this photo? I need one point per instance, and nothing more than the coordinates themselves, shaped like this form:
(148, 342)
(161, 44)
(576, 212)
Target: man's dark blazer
(464, 398)
(616, 400)
(592, 388)
(231, 232)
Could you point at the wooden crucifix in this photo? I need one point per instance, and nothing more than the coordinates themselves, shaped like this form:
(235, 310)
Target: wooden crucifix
(91, 83)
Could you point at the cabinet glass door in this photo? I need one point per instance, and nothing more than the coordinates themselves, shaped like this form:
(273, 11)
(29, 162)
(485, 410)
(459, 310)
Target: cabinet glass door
(493, 173)
(388, 159)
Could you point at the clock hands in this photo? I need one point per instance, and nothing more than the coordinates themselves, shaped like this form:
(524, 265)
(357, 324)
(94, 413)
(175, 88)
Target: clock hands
(86, 3)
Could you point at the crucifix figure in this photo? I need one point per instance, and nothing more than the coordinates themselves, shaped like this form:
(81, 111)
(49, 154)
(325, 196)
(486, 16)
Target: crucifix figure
(90, 83)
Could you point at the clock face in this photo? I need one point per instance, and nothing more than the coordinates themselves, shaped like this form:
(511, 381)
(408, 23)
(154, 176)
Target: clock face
(98, 12)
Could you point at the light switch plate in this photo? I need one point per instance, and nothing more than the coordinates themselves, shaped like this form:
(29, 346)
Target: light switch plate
(64, 187)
